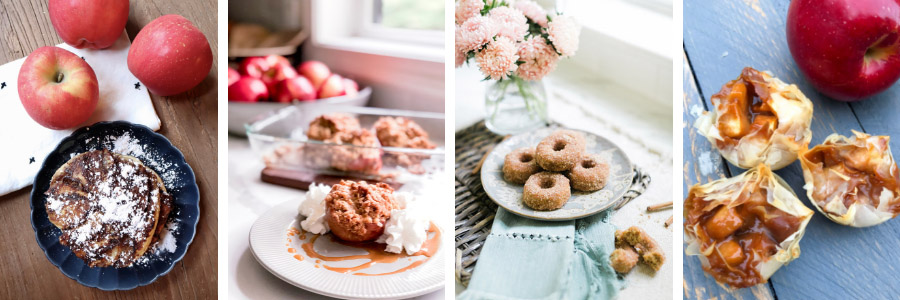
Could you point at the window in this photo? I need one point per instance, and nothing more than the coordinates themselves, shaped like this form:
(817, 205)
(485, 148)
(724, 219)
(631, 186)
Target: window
(409, 14)
(411, 21)
(409, 29)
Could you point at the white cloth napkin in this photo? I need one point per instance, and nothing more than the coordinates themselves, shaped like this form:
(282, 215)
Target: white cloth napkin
(25, 143)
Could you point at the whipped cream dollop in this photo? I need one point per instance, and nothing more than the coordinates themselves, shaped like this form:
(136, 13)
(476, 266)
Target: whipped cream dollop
(408, 226)
(406, 229)
(313, 208)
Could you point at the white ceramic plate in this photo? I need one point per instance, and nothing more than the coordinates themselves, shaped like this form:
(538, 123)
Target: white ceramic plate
(581, 204)
(268, 242)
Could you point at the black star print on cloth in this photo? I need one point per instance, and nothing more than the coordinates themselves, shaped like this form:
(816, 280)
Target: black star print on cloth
(82, 58)
(2, 85)
(31, 160)
(137, 85)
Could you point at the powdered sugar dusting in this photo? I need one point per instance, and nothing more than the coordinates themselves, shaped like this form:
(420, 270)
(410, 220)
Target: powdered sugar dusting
(124, 144)
(167, 242)
(128, 145)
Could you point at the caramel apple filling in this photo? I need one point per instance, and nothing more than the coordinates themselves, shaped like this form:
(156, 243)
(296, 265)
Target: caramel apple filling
(758, 119)
(744, 227)
(853, 181)
(744, 108)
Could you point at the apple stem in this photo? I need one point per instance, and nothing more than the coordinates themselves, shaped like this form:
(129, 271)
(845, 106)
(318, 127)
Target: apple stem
(59, 77)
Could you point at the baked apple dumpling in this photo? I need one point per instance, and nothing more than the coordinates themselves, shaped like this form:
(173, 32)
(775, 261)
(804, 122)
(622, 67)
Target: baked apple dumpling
(853, 181)
(744, 228)
(758, 119)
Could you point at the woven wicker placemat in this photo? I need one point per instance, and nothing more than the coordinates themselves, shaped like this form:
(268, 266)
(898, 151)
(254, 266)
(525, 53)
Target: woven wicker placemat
(475, 211)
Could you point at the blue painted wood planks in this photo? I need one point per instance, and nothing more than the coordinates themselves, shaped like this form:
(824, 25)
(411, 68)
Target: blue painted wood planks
(702, 163)
(722, 37)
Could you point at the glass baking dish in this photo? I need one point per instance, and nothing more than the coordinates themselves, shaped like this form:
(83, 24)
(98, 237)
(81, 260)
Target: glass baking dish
(279, 137)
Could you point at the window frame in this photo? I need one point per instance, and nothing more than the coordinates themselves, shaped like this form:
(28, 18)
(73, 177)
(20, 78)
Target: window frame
(368, 28)
(365, 36)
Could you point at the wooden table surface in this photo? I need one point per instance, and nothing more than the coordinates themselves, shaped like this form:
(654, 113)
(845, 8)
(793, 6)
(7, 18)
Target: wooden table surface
(837, 262)
(188, 120)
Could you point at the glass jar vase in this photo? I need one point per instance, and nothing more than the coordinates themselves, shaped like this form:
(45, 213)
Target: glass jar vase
(515, 105)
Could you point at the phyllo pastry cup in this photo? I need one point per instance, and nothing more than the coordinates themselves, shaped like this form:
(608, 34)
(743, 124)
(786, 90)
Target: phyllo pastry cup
(853, 181)
(758, 119)
(744, 228)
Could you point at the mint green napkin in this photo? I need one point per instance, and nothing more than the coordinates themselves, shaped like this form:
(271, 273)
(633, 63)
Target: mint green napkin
(529, 259)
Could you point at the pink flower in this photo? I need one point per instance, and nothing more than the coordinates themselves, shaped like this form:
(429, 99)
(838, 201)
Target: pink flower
(498, 58)
(533, 11)
(460, 57)
(474, 33)
(563, 32)
(510, 22)
(466, 9)
(540, 59)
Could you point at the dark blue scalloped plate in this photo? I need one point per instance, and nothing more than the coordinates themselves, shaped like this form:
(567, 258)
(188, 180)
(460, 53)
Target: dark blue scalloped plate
(180, 182)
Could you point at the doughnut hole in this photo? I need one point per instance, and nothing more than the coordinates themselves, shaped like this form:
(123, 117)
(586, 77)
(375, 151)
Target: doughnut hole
(723, 223)
(587, 164)
(547, 183)
(559, 145)
(525, 158)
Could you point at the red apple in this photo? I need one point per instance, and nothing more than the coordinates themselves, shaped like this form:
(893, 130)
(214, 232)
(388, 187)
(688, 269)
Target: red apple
(260, 65)
(315, 71)
(350, 87)
(58, 89)
(332, 87)
(170, 56)
(848, 49)
(233, 76)
(248, 89)
(94, 24)
(295, 88)
(271, 69)
(279, 73)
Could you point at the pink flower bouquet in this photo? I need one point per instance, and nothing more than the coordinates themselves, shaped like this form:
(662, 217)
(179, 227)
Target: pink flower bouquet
(513, 39)
(513, 42)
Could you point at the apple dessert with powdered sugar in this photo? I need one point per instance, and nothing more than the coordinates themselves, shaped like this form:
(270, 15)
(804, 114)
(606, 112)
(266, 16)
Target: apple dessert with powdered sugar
(110, 207)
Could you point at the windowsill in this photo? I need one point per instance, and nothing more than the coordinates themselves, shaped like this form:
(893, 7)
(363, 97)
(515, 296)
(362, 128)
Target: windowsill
(384, 48)
(636, 25)
(626, 44)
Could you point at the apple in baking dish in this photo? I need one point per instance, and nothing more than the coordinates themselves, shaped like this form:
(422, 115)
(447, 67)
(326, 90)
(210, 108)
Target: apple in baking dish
(853, 181)
(758, 119)
(744, 228)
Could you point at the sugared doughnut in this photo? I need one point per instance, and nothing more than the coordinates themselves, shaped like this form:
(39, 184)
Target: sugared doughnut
(589, 173)
(578, 136)
(623, 259)
(650, 252)
(546, 191)
(519, 165)
(559, 152)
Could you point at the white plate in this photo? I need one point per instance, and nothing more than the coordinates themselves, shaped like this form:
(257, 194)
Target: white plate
(581, 204)
(268, 242)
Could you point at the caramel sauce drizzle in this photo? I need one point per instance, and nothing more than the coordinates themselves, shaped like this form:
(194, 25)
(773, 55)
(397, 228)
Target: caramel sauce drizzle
(375, 253)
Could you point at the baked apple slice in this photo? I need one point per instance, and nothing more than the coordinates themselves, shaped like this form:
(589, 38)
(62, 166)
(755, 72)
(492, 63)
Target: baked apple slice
(744, 228)
(853, 181)
(758, 119)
